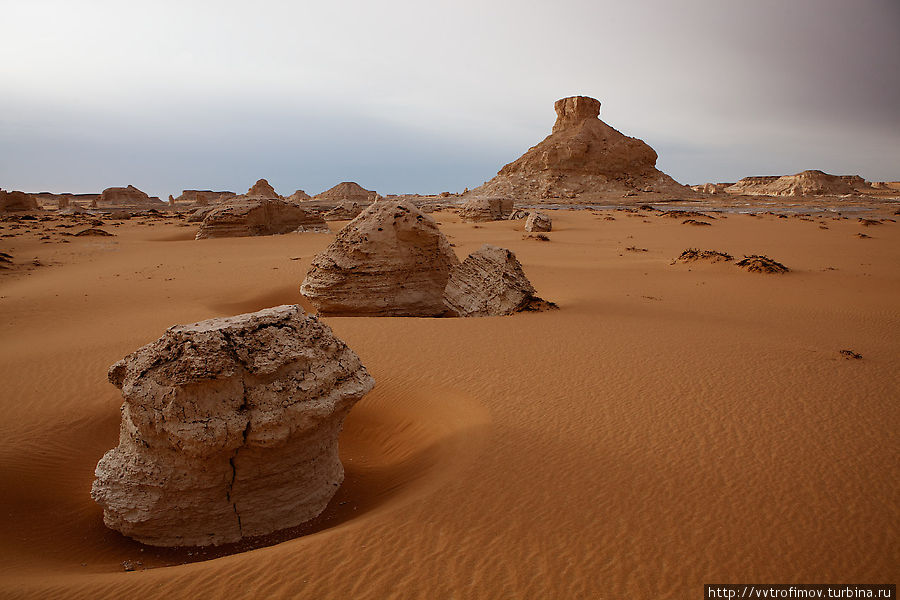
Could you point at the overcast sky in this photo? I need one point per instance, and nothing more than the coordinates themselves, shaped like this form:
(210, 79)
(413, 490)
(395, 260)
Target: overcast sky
(426, 96)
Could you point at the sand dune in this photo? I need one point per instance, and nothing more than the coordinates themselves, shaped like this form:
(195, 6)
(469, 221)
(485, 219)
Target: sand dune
(671, 425)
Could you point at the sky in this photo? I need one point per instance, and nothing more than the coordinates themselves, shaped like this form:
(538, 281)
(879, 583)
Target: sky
(423, 97)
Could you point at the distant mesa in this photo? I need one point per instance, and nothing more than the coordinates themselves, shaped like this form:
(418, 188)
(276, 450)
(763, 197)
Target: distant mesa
(805, 183)
(126, 197)
(203, 197)
(348, 190)
(17, 202)
(229, 429)
(260, 212)
(583, 157)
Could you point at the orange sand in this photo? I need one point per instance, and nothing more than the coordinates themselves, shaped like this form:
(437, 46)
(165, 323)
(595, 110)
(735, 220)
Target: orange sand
(669, 426)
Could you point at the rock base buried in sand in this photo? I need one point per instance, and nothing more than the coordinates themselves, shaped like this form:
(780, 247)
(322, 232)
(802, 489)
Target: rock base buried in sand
(537, 222)
(481, 209)
(391, 261)
(491, 282)
(692, 254)
(757, 263)
(229, 429)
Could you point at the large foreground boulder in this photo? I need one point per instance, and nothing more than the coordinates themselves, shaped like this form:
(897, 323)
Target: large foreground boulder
(242, 217)
(480, 209)
(391, 260)
(581, 158)
(229, 429)
(490, 282)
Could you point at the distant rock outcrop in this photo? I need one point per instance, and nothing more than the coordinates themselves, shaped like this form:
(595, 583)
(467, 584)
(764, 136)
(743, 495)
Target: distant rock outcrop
(229, 429)
(203, 197)
(480, 209)
(257, 214)
(344, 211)
(391, 260)
(711, 188)
(17, 202)
(243, 217)
(348, 191)
(261, 189)
(805, 183)
(537, 222)
(490, 282)
(582, 157)
(127, 197)
(298, 196)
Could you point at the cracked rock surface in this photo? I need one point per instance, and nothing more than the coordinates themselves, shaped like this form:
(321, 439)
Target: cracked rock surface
(229, 429)
(491, 282)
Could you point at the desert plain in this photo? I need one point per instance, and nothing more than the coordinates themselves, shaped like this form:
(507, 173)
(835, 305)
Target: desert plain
(671, 424)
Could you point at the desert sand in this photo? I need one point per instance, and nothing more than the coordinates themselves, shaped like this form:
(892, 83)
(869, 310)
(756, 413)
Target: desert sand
(672, 424)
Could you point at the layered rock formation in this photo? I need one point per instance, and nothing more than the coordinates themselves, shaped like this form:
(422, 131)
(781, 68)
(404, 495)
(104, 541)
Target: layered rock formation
(538, 221)
(344, 211)
(582, 157)
(242, 217)
(392, 260)
(348, 191)
(127, 197)
(16, 202)
(805, 183)
(298, 196)
(203, 197)
(261, 189)
(711, 188)
(229, 429)
(490, 282)
(480, 209)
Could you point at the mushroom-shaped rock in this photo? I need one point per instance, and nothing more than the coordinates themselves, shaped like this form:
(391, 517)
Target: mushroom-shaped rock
(582, 156)
(538, 221)
(490, 282)
(241, 217)
(480, 209)
(229, 429)
(391, 260)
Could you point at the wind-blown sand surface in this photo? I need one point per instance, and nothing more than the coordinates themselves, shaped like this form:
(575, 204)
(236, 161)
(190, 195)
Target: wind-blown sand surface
(671, 425)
